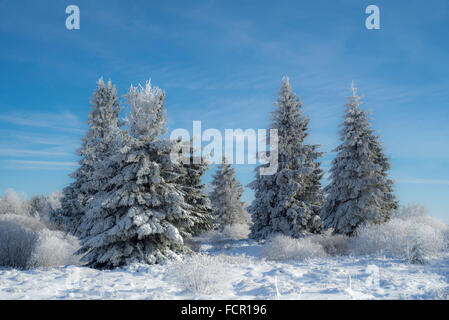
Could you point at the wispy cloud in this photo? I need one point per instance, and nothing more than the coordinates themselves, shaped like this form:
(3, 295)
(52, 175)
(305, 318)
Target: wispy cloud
(424, 181)
(63, 121)
(47, 140)
(26, 152)
(42, 165)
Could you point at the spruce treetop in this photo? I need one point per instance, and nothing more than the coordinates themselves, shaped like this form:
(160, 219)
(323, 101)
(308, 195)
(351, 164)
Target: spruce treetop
(359, 191)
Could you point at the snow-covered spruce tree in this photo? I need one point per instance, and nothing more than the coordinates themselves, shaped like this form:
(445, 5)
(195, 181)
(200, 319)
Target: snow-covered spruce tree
(96, 146)
(189, 182)
(227, 207)
(417, 254)
(289, 201)
(139, 215)
(389, 203)
(37, 205)
(359, 191)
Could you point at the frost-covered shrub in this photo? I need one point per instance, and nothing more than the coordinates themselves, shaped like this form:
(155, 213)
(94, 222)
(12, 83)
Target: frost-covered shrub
(44, 208)
(417, 255)
(411, 211)
(220, 238)
(200, 274)
(17, 244)
(333, 245)
(26, 243)
(54, 200)
(54, 248)
(231, 232)
(240, 260)
(13, 203)
(236, 231)
(400, 235)
(27, 239)
(28, 222)
(39, 207)
(281, 248)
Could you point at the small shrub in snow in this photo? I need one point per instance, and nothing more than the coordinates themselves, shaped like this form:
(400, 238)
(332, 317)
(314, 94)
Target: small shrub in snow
(26, 243)
(240, 260)
(17, 244)
(199, 274)
(54, 248)
(413, 210)
(23, 220)
(39, 207)
(281, 248)
(333, 245)
(410, 235)
(229, 233)
(398, 236)
(13, 203)
(221, 238)
(417, 255)
(45, 208)
(236, 231)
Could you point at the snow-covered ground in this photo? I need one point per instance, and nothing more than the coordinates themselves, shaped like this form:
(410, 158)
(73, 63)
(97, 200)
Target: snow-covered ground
(237, 272)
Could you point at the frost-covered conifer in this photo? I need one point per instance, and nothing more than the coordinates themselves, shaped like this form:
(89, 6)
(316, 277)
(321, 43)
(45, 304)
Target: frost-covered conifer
(227, 207)
(139, 215)
(189, 182)
(289, 201)
(389, 202)
(96, 145)
(359, 191)
(417, 254)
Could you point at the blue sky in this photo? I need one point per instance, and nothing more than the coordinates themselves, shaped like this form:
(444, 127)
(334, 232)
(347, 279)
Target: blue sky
(221, 62)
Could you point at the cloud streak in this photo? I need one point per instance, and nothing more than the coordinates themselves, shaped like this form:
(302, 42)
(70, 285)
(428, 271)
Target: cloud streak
(61, 122)
(423, 181)
(25, 152)
(41, 165)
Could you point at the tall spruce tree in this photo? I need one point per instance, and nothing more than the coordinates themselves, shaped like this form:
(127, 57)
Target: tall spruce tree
(389, 202)
(140, 215)
(289, 201)
(227, 207)
(192, 188)
(96, 146)
(359, 191)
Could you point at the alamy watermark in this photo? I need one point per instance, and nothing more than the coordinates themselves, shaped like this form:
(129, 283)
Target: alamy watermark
(373, 20)
(72, 22)
(217, 147)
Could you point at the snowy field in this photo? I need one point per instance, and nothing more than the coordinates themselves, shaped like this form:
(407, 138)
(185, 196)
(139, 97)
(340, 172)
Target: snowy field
(236, 271)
